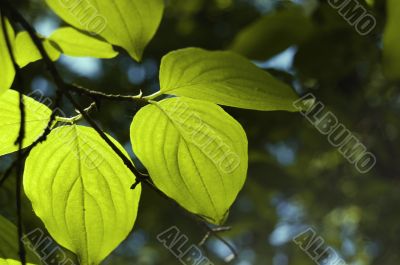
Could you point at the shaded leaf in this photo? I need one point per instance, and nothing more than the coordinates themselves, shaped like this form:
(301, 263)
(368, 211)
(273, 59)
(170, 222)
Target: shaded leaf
(195, 153)
(273, 33)
(9, 244)
(391, 41)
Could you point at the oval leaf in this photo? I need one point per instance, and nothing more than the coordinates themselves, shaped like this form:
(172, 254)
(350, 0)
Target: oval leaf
(272, 34)
(7, 71)
(195, 153)
(126, 23)
(37, 117)
(224, 78)
(74, 43)
(391, 41)
(9, 244)
(81, 191)
(26, 51)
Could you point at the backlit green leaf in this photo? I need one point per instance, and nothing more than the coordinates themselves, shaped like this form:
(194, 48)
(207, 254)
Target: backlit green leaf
(9, 244)
(272, 34)
(7, 71)
(391, 41)
(26, 51)
(80, 189)
(74, 43)
(224, 78)
(195, 153)
(37, 117)
(126, 23)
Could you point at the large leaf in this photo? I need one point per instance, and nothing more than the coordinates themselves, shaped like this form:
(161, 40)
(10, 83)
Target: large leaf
(223, 78)
(26, 51)
(7, 71)
(80, 189)
(272, 34)
(195, 153)
(74, 43)
(37, 117)
(126, 23)
(391, 40)
(9, 244)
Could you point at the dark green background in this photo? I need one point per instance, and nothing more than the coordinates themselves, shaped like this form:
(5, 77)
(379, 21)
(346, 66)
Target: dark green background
(296, 178)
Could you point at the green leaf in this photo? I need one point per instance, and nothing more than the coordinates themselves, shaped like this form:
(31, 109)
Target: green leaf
(273, 33)
(26, 51)
(195, 153)
(126, 23)
(75, 43)
(224, 78)
(80, 189)
(391, 41)
(37, 117)
(9, 244)
(7, 71)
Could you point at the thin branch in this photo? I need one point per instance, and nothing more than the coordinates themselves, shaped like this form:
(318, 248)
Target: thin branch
(62, 86)
(19, 141)
(42, 138)
(215, 234)
(7, 173)
(78, 117)
(66, 90)
(199, 220)
(96, 95)
(215, 230)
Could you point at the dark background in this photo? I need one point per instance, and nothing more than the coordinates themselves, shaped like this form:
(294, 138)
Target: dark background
(296, 178)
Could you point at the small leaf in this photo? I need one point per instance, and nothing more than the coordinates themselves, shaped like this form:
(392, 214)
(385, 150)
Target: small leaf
(195, 153)
(391, 41)
(37, 117)
(9, 244)
(26, 51)
(126, 23)
(74, 43)
(7, 71)
(273, 33)
(80, 189)
(224, 78)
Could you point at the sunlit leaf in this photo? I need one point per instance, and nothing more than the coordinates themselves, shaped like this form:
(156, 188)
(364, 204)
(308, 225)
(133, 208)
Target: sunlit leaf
(272, 34)
(26, 51)
(195, 153)
(126, 23)
(391, 40)
(7, 71)
(37, 117)
(74, 43)
(224, 78)
(80, 189)
(9, 244)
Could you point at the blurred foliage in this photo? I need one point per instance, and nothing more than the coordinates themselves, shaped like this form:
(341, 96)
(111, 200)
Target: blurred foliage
(296, 178)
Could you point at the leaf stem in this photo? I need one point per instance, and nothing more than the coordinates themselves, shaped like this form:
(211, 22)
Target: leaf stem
(153, 96)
